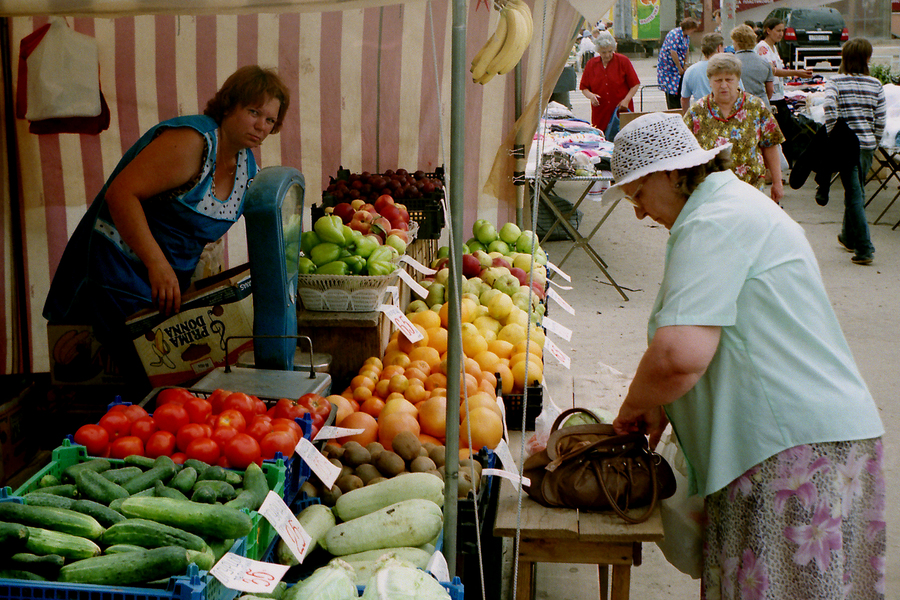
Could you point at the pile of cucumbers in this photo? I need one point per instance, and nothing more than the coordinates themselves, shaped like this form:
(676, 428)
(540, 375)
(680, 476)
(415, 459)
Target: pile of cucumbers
(139, 523)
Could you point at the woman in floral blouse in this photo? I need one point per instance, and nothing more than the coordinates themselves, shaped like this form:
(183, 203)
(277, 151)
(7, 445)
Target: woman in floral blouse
(729, 115)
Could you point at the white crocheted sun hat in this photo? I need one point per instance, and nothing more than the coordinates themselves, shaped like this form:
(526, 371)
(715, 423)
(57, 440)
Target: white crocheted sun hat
(655, 142)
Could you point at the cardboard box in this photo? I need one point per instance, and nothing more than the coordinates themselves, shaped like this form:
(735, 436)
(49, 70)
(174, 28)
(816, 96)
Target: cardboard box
(17, 442)
(184, 347)
(77, 358)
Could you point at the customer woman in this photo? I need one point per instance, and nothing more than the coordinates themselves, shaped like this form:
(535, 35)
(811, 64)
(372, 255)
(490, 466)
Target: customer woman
(181, 186)
(729, 115)
(773, 31)
(672, 61)
(859, 99)
(609, 81)
(747, 361)
(756, 73)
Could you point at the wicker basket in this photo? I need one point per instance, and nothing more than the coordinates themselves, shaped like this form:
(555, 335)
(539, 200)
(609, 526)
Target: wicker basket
(343, 293)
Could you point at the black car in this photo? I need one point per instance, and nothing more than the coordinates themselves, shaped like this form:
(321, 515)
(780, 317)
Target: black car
(814, 31)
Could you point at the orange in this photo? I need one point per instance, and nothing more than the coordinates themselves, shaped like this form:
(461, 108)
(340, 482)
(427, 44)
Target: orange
(472, 367)
(480, 399)
(435, 380)
(414, 374)
(421, 365)
(394, 423)
(486, 429)
(433, 416)
(391, 370)
(506, 378)
(437, 339)
(424, 438)
(487, 387)
(405, 345)
(374, 360)
(501, 348)
(425, 318)
(535, 375)
(372, 406)
(361, 394)
(343, 405)
(398, 358)
(439, 391)
(370, 372)
(362, 381)
(533, 347)
(364, 421)
(426, 354)
(398, 383)
(487, 360)
(394, 395)
(400, 404)
(416, 392)
(382, 388)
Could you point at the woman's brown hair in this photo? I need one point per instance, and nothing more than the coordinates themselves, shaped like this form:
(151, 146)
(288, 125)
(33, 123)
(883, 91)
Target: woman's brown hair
(855, 57)
(249, 86)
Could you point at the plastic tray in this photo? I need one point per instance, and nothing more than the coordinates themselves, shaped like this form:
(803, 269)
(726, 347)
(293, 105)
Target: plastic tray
(513, 403)
(466, 528)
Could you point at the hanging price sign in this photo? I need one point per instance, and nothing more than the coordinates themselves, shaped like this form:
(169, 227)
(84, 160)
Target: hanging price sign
(413, 284)
(329, 432)
(403, 324)
(321, 466)
(556, 269)
(557, 353)
(560, 330)
(240, 573)
(286, 524)
(417, 265)
(551, 293)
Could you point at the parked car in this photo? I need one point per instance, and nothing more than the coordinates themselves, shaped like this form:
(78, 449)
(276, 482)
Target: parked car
(809, 28)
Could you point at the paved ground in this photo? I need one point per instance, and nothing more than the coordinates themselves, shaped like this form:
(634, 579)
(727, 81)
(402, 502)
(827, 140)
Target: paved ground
(610, 331)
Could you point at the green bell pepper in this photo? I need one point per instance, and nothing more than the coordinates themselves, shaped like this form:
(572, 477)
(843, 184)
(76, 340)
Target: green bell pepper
(380, 262)
(365, 245)
(330, 228)
(325, 252)
(356, 263)
(305, 266)
(335, 267)
(308, 240)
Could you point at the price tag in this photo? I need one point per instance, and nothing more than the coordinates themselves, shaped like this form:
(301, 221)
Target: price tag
(437, 566)
(551, 293)
(514, 477)
(557, 353)
(506, 458)
(329, 432)
(240, 573)
(559, 285)
(556, 269)
(403, 324)
(321, 466)
(286, 524)
(413, 284)
(417, 265)
(503, 416)
(395, 291)
(560, 330)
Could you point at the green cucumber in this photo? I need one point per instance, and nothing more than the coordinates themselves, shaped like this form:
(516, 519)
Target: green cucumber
(197, 465)
(244, 499)
(67, 490)
(97, 465)
(144, 463)
(151, 534)
(47, 565)
(57, 519)
(219, 547)
(204, 560)
(161, 490)
(184, 481)
(224, 490)
(49, 480)
(13, 537)
(103, 514)
(148, 493)
(116, 505)
(122, 475)
(213, 473)
(126, 569)
(20, 574)
(51, 500)
(256, 482)
(96, 487)
(148, 479)
(204, 495)
(122, 548)
(234, 478)
(203, 519)
(44, 541)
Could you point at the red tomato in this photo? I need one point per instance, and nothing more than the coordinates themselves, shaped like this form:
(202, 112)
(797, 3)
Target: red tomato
(222, 435)
(217, 398)
(116, 424)
(278, 441)
(178, 458)
(242, 403)
(288, 425)
(198, 409)
(171, 417)
(170, 395)
(231, 418)
(208, 429)
(242, 450)
(259, 428)
(135, 412)
(187, 434)
(223, 462)
(144, 428)
(203, 449)
(126, 446)
(161, 443)
(288, 409)
(318, 405)
(94, 438)
(260, 407)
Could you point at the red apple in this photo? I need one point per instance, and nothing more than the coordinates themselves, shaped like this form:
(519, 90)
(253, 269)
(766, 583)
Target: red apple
(519, 274)
(400, 233)
(344, 211)
(391, 213)
(383, 200)
(470, 266)
(368, 208)
(500, 262)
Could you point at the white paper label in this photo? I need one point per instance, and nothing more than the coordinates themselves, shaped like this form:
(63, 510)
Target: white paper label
(286, 524)
(329, 432)
(240, 573)
(506, 458)
(551, 293)
(417, 265)
(562, 273)
(503, 416)
(403, 324)
(560, 330)
(321, 466)
(515, 478)
(557, 353)
(559, 285)
(437, 566)
(413, 284)
(394, 291)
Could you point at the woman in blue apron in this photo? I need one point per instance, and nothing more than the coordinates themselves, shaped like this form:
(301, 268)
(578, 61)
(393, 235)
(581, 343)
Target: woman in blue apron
(180, 187)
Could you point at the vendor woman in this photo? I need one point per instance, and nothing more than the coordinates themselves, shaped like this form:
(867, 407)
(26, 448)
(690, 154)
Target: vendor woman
(180, 187)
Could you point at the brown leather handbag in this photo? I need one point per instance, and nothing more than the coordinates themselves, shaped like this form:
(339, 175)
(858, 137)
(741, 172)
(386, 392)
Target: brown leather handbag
(590, 467)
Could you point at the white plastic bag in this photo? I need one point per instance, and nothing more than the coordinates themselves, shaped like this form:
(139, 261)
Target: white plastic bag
(543, 423)
(681, 514)
(63, 75)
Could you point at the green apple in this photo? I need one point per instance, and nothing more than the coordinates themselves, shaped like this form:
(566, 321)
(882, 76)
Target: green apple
(443, 252)
(435, 294)
(474, 245)
(416, 306)
(526, 242)
(499, 246)
(442, 275)
(473, 297)
(488, 295)
(485, 232)
(484, 259)
(510, 233)
(489, 275)
(523, 261)
(507, 283)
(540, 257)
(520, 299)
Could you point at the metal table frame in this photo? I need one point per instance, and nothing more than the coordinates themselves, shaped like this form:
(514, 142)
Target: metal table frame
(580, 241)
(886, 157)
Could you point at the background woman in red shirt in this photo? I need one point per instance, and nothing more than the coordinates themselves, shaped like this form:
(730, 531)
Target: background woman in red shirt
(609, 80)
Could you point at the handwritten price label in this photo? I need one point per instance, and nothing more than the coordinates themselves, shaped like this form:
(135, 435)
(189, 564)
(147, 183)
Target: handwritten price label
(514, 477)
(413, 284)
(559, 285)
(286, 524)
(394, 291)
(560, 330)
(416, 265)
(239, 573)
(403, 324)
(556, 269)
(330, 432)
(557, 353)
(321, 466)
(560, 300)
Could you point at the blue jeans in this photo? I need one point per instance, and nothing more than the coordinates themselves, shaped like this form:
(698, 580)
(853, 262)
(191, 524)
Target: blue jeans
(855, 229)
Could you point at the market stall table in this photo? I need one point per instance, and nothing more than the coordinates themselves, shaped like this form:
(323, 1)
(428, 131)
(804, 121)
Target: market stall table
(580, 241)
(886, 157)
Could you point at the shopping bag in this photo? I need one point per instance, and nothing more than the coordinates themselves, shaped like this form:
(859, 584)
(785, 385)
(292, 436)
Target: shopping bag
(612, 129)
(682, 515)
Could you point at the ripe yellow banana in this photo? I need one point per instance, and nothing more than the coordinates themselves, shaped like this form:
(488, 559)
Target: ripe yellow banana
(521, 39)
(490, 49)
(515, 30)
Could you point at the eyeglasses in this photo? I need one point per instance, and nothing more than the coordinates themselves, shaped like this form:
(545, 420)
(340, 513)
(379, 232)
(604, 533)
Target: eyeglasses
(633, 197)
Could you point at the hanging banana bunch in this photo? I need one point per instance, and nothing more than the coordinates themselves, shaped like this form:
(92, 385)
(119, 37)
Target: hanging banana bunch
(504, 49)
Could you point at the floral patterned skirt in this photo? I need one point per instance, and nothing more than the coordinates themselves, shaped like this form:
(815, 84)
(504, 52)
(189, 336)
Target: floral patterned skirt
(808, 522)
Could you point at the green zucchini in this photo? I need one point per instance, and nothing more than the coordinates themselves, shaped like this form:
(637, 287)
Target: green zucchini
(126, 569)
(96, 487)
(67, 490)
(47, 565)
(57, 519)
(144, 463)
(13, 537)
(45, 541)
(49, 480)
(161, 490)
(97, 465)
(103, 514)
(148, 479)
(122, 475)
(184, 481)
(151, 534)
(203, 519)
(204, 495)
(405, 523)
(52, 500)
(224, 490)
(20, 574)
(122, 548)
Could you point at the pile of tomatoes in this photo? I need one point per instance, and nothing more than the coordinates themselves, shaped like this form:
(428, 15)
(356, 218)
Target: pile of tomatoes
(229, 429)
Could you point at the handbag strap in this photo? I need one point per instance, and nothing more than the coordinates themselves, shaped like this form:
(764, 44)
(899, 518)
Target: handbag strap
(568, 413)
(654, 496)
